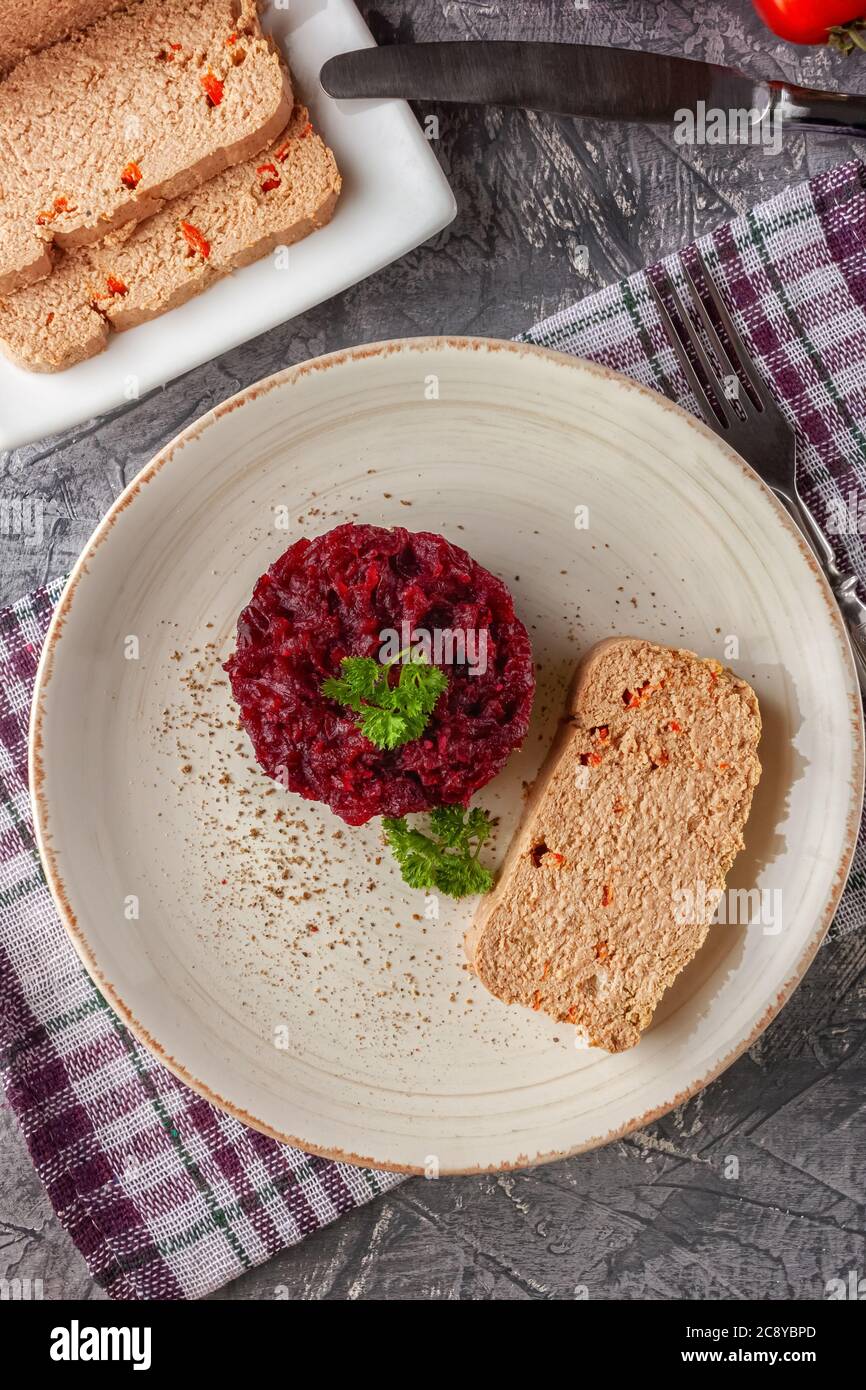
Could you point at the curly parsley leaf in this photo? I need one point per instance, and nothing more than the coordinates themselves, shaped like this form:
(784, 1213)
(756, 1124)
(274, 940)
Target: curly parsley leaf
(388, 715)
(421, 684)
(358, 682)
(447, 860)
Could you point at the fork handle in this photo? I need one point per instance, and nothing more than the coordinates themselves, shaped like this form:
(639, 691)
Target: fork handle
(843, 584)
(854, 612)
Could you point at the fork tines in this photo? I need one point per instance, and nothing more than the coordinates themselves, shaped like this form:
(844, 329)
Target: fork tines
(714, 360)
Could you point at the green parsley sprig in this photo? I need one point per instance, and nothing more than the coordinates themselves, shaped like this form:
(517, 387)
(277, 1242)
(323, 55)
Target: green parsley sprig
(388, 715)
(447, 860)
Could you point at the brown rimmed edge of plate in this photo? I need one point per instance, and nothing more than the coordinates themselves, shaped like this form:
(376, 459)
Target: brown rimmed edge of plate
(55, 631)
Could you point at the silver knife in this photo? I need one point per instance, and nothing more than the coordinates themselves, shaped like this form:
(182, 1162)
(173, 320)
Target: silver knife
(582, 80)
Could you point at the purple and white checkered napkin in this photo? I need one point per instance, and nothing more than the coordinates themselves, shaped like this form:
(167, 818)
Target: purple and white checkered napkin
(165, 1196)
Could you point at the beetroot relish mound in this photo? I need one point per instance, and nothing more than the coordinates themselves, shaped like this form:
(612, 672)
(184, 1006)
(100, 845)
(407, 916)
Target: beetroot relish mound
(332, 597)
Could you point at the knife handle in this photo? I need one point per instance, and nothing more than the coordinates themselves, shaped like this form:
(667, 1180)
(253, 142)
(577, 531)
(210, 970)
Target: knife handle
(567, 79)
(495, 72)
(808, 109)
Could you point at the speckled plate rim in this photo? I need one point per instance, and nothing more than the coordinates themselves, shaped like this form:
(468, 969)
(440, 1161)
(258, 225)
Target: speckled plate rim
(80, 572)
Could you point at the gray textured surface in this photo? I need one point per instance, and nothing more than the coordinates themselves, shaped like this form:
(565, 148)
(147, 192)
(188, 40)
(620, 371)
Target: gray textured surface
(654, 1216)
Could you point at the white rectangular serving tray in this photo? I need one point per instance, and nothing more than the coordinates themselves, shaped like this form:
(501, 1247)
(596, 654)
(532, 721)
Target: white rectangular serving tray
(394, 197)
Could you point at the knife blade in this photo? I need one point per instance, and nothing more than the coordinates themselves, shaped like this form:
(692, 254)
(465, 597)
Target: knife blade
(581, 80)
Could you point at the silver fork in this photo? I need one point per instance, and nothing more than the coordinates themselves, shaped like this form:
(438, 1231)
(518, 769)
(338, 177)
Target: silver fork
(762, 435)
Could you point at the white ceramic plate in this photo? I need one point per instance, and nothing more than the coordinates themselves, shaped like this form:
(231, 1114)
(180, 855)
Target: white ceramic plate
(394, 197)
(366, 1037)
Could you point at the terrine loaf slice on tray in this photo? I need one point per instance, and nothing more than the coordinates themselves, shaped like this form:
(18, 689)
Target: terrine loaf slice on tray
(611, 880)
(144, 105)
(28, 25)
(274, 199)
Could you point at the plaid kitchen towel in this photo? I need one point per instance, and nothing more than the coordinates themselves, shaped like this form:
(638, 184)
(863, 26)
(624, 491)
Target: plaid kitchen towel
(166, 1196)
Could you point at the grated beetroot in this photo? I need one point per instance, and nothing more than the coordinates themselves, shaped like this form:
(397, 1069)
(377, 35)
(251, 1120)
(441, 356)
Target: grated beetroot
(332, 597)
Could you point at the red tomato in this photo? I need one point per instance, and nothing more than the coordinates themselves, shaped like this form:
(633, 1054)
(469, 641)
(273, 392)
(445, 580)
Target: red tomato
(807, 21)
